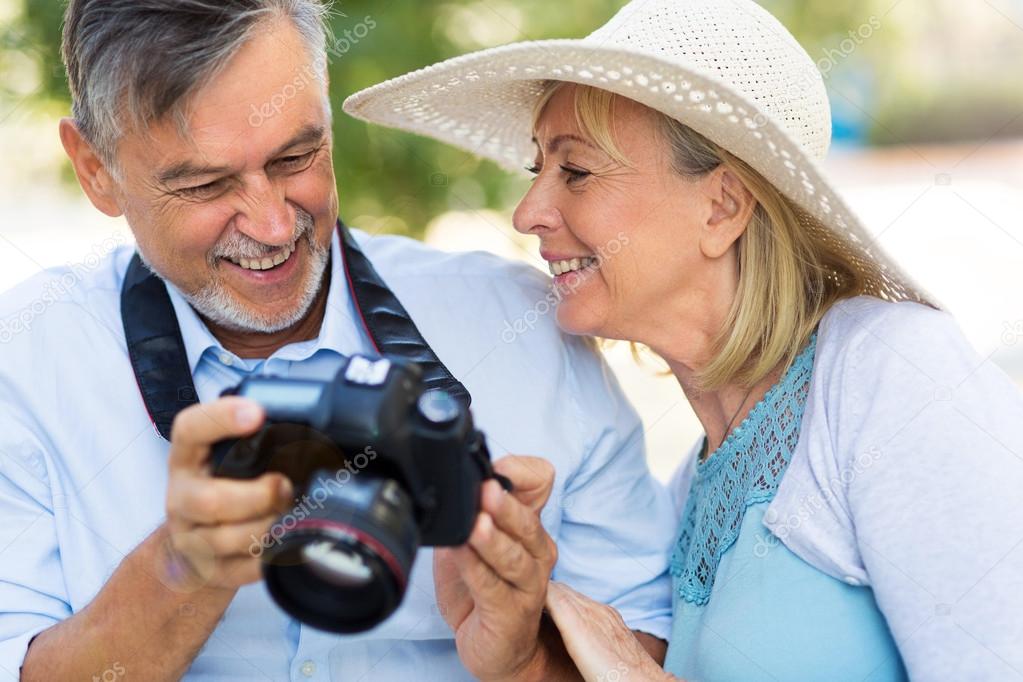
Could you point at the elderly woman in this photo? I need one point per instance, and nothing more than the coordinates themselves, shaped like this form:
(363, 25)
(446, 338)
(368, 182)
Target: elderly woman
(852, 511)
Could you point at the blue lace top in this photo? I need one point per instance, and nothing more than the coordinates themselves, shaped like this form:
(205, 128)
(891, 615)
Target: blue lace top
(743, 471)
(746, 608)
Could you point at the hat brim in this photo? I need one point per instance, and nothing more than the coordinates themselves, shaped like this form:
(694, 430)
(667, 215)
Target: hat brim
(483, 103)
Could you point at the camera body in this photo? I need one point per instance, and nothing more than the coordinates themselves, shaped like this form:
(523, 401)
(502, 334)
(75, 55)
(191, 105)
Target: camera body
(379, 466)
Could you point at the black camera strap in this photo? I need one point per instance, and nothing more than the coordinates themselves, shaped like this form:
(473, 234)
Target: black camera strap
(157, 349)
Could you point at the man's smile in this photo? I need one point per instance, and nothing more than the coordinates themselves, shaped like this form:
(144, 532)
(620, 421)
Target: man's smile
(275, 269)
(266, 262)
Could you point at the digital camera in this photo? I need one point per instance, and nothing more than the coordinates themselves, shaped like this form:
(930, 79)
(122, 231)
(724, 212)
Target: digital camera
(380, 466)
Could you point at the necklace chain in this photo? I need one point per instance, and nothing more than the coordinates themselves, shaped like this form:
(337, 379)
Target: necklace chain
(728, 427)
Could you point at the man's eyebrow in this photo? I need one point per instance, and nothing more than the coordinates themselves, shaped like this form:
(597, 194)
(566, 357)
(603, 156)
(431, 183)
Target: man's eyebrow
(189, 169)
(559, 140)
(312, 132)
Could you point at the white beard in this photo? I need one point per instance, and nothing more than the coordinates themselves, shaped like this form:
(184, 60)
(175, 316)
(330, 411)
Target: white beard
(214, 301)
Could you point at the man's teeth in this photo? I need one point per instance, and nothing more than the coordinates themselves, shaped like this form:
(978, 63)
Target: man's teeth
(560, 267)
(267, 262)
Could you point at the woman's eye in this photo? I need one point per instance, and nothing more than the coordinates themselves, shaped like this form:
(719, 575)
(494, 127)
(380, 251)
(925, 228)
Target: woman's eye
(575, 174)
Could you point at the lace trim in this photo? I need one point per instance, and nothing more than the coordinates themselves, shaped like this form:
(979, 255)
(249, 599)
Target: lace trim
(744, 470)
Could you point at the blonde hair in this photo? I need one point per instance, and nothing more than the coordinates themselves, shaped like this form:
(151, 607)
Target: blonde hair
(792, 269)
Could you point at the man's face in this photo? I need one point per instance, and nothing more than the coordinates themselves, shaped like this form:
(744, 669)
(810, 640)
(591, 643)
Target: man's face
(239, 216)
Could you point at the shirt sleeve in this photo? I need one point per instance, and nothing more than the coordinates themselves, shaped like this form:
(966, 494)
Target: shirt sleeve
(32, 592)
(617, 523)
(931, 435)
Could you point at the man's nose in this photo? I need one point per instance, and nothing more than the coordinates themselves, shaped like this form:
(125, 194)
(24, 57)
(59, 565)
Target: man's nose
(265, 214)
(536, 214)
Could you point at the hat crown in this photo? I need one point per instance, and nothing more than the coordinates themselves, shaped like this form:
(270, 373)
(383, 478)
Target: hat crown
(738, 43)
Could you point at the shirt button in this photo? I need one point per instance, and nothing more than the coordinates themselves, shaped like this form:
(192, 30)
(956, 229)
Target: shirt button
(855, 582)
(308, 669)
(226, 359)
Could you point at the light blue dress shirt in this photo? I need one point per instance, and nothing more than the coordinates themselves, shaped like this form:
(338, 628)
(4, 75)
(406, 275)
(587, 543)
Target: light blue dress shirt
(83, 472)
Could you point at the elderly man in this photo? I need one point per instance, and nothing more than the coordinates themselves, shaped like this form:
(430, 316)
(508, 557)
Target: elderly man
(120, 554)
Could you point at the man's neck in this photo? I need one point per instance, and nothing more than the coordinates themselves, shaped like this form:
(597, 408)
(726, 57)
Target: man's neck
(254, 345)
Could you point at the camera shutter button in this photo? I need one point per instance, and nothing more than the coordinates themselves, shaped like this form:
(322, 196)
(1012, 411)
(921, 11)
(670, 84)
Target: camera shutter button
(438, 407)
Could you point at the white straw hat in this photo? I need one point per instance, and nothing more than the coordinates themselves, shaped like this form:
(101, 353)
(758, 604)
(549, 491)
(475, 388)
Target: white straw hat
(726, 68)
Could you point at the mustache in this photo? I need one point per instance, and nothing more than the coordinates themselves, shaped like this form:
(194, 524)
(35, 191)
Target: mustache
(238, 246)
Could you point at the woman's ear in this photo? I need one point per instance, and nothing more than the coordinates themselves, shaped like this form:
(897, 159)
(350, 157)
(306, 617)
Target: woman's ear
(93, 175)
(732, 206)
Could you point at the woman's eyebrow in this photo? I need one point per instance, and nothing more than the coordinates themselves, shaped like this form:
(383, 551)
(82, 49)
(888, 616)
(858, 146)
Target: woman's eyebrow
(559, 140)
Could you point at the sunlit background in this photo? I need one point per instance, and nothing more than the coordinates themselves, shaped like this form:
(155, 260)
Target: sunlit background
(927, 101)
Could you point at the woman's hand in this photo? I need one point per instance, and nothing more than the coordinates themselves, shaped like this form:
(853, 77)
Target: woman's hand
(600, 643)
(491, 590)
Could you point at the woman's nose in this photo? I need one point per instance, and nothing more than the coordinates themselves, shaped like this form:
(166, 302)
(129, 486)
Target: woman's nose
(536, 213)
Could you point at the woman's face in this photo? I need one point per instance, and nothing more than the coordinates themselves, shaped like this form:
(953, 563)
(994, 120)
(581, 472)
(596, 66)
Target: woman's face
(630, 241)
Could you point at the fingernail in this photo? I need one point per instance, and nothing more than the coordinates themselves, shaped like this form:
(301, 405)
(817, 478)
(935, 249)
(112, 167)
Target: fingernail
(494, 485)
(484, 524)
(246, 415)
(284, 489)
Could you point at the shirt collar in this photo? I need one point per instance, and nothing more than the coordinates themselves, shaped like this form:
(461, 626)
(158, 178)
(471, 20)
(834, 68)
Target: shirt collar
(339, 332)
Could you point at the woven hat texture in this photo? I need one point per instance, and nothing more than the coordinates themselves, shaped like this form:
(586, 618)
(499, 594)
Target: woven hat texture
(726, 68)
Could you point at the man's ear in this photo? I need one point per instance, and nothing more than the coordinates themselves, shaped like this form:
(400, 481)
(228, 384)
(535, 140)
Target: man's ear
(732, 206)
(93, 176)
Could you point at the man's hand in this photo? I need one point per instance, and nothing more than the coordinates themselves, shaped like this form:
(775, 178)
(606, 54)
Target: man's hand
(601, 644)
(192, 564)
(491, 590)
(213, 523)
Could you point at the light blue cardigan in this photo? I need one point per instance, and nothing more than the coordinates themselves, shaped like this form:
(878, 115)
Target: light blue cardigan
(907, 478)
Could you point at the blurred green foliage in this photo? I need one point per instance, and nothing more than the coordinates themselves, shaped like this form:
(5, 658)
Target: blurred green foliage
(390, 181)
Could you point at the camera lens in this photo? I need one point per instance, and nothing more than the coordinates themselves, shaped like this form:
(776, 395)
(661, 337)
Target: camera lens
(343, 566)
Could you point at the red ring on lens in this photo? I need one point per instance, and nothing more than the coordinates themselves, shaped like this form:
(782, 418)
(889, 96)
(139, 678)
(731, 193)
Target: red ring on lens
(361, 536)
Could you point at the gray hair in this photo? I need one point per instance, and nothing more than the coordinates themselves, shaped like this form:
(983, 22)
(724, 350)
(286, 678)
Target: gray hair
(130, 63)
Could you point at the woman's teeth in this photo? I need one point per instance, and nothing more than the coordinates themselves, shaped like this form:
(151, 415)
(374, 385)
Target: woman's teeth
(266, 262)
(560, 267)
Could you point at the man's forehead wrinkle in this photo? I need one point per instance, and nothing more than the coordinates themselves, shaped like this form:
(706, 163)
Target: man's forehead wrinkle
(197, 159)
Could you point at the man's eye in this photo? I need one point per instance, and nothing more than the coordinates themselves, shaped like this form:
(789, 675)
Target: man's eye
(296, 162)
(205, 191)
(534, 169)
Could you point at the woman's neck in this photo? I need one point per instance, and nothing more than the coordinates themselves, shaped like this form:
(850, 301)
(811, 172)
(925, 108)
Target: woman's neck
(687, 344)
(721, 410)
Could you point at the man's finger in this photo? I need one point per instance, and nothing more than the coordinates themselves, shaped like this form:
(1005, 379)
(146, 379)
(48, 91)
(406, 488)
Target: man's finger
(239, 539)
(211, 501)
(197, 427)
(485, 586)
(532, 478)
(522, 523)
(507, 557)
(238, 571)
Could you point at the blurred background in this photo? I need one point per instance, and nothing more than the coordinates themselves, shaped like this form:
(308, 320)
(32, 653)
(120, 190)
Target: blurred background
(927, 104)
